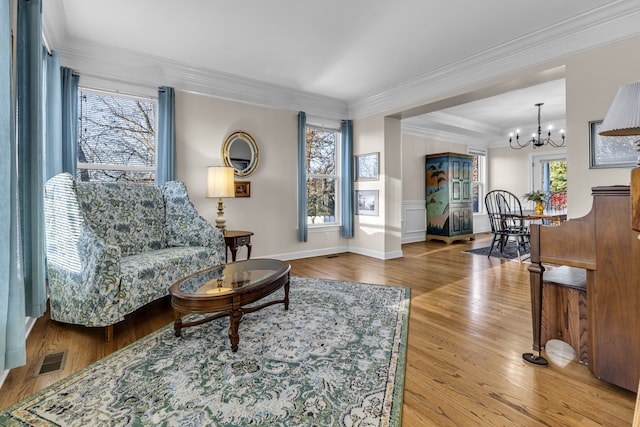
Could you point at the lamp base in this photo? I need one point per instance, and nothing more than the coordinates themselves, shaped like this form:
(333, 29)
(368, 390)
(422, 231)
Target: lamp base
(220, 221)
(535, 359)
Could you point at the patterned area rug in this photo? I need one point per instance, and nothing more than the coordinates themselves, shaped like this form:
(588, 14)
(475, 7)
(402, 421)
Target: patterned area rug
(335, 358)
(509, 252)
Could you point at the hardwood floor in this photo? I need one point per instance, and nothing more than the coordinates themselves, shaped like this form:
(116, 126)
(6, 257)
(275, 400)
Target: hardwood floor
(469, 324)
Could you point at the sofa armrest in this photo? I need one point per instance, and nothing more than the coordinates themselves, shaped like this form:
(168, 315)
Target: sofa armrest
(91, 296)
(184, 225)
(100, 277)
(83, 270)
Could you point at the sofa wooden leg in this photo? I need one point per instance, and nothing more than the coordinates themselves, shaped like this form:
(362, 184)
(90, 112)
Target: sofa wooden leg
(108, 333)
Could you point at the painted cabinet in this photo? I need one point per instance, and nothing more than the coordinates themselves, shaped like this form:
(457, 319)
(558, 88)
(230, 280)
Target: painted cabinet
(449, 198)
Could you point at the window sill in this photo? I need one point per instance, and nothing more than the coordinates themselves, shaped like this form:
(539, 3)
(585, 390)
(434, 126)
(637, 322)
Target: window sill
(323, 228)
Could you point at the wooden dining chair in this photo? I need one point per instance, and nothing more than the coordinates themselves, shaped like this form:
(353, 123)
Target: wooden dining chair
(507, 222)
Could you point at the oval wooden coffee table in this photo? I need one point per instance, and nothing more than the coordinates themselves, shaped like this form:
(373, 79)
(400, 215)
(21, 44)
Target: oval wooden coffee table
(225, 290)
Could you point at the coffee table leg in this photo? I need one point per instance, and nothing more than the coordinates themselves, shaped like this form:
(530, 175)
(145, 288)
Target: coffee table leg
(177, 322)
(234, 336)
(177, 326)
(286, 296)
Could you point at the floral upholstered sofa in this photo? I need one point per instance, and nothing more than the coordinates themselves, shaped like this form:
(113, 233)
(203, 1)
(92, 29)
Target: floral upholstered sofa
(113, 247)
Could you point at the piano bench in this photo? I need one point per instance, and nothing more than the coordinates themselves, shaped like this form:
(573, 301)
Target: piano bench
(564, 308)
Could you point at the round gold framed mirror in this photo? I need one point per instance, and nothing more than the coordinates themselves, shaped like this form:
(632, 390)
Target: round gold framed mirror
(240, 152)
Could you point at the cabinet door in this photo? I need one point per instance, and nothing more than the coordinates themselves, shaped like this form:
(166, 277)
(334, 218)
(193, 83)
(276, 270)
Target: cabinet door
(461, 178)
(460, 221)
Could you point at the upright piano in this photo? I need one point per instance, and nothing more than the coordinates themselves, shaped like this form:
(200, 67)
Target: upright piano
(603, 244)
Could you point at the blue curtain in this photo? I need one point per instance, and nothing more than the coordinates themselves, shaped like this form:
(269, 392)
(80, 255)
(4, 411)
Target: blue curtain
(12, 311)
(68, 104)
(53, 131)
(347, 178)
(302, 177)
(29, 88)
(166, 168)
(22, 288)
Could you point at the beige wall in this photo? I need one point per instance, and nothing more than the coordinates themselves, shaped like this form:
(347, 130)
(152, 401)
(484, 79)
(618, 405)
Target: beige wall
(202, 124)
(508, 170)
(392, 188)
(593, 79)
(414, 148)
(368, 137)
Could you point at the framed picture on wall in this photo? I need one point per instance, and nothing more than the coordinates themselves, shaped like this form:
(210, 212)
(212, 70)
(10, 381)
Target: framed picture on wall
(610, 151)
(366, 167)
(367, 202)
(243, 188)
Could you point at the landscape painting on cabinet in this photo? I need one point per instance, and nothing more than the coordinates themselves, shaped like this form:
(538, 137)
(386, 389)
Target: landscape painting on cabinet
(437, 194)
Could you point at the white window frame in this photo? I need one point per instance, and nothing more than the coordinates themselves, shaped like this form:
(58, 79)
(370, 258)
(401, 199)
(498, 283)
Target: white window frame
(536, 159)
(337, 225)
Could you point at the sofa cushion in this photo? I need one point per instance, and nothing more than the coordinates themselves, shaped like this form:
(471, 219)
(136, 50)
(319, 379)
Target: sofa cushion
(149, 275)
(127, 215)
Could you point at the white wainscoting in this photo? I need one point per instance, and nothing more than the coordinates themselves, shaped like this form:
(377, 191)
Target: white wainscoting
(481, 223)
(414, 221)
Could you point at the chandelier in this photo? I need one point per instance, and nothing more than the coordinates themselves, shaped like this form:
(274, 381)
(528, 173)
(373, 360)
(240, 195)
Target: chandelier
(537, 139)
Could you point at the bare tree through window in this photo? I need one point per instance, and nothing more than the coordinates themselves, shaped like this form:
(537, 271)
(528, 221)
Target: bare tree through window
(322, 169)
(116, 138)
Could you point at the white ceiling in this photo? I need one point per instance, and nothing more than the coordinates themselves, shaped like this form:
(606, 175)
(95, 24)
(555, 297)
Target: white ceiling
(356, 51)
(489, 121)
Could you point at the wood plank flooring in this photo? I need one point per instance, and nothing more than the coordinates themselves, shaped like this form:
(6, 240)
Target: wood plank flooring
(470, 322)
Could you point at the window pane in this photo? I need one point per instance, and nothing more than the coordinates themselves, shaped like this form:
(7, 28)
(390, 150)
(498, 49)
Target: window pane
(478, 182)
(558, 185)
(321, 151)
(321, 201)
(476, 197)
(116, 130)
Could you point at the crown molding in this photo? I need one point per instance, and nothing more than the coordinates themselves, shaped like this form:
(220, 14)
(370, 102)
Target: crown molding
(611, 22)
(598, 27)
(134, 69)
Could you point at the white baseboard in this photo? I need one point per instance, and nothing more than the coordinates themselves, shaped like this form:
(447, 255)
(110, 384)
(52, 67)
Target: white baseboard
(376, 254)
(335, 250)
(308, 254)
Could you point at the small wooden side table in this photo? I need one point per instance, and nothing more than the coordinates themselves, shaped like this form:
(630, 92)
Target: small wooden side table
(235, 239)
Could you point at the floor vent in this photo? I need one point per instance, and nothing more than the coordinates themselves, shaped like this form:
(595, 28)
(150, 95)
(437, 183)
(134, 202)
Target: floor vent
(332, 256)
(51, 363)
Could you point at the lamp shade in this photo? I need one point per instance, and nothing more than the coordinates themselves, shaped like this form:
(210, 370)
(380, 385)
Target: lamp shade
(623, 117)
(220, 182)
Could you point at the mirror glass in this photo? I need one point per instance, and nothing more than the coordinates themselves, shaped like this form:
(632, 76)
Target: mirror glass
(240, 152)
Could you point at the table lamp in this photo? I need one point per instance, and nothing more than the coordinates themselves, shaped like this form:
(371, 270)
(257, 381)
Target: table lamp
(220, 184)
(623, 119)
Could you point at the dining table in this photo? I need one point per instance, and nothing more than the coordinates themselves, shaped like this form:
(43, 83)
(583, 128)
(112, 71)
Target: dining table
(555, 217)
